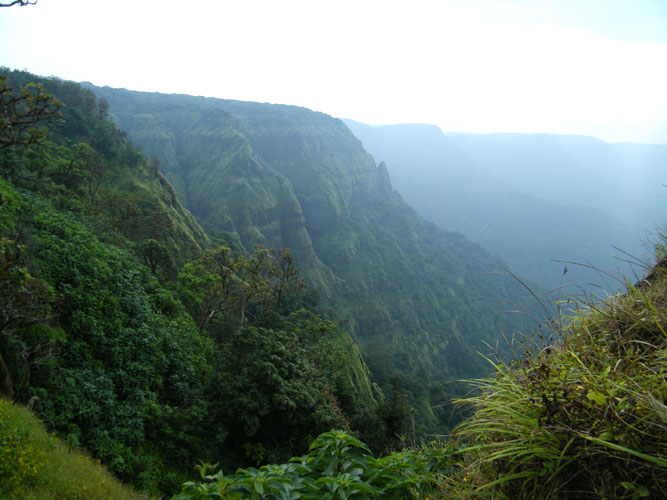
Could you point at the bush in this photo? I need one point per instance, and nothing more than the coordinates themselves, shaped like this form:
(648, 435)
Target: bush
(337, 466)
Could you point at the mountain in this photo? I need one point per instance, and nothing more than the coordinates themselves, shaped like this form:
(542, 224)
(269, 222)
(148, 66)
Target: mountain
(155, 345)
(625, 180)
(135, 199)
(508, 200)
(104, 279)
(417, 299)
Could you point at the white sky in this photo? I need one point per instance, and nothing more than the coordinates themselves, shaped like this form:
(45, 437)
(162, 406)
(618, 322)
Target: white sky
(593, 67)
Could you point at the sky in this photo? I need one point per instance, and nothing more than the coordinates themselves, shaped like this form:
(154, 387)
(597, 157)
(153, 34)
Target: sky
(588, 67)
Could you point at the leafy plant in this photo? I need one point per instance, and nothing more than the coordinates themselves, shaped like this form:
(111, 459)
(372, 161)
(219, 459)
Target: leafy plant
(337, 466)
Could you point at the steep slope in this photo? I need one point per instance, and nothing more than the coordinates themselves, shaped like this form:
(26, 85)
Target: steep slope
(35, 465)
(447, 186)
(92, 323)
(133, 195)
(286, 176)
(584, 418)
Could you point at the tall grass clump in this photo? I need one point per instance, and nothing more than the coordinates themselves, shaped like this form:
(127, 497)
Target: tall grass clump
(583, 418)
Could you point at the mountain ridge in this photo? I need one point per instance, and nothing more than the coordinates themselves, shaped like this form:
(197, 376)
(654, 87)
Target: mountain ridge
(406, 291)
(448, 185)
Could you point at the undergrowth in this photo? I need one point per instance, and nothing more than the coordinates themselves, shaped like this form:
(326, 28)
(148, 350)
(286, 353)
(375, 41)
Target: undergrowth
(337, 466)
(583, 418)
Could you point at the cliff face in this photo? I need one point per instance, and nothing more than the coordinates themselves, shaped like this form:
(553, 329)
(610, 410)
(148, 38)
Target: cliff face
(283, 176)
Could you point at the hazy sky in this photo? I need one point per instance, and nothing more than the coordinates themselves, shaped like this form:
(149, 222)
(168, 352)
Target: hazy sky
(594, 67)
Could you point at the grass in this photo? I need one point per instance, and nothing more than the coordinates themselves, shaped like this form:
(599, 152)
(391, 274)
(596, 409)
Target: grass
(35, 465)
(583, 418)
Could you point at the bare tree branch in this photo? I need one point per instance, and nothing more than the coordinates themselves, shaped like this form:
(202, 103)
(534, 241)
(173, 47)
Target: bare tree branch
(20, 3)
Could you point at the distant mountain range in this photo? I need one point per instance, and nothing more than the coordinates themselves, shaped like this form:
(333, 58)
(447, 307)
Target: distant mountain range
(534, 199)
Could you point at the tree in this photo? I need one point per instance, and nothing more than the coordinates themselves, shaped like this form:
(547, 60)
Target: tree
(286, 280)
(23, 116)
(217, 283)
(156, 256)
(85, 171)
(394, 413)
(268, 395)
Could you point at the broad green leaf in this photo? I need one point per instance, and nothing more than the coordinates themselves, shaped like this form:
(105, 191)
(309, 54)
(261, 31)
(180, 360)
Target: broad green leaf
(259, 487)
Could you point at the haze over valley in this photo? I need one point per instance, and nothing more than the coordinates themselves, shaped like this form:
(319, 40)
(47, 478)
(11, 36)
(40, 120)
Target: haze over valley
(541, 202)
(333, 250)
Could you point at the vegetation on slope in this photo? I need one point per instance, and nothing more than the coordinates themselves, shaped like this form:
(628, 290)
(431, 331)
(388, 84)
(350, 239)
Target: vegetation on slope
(90, 163)
(153, 365)
(584, 417)
(411, 295)
(36, 465)
(104, 286)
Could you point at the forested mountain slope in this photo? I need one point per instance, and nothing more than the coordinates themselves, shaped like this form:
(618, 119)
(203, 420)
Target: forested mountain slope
(410, 293)
(134, 198)
(513, 208)
(146, 343)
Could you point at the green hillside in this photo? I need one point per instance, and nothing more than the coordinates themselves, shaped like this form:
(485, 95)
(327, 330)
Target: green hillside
(582, 418)
(156, 347)
(146, 342)
(411, 295)
(36, 465)
(130, 194)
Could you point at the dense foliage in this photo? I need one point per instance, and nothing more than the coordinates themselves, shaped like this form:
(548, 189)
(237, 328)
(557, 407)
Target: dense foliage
(412, 296)
(143, 346)
(582, 417)
(156, 346)
(337, 466)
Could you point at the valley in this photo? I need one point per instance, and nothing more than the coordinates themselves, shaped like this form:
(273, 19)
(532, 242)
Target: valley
(193, 279)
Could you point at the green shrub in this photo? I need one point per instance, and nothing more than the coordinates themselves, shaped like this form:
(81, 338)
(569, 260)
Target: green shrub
(337, 466)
